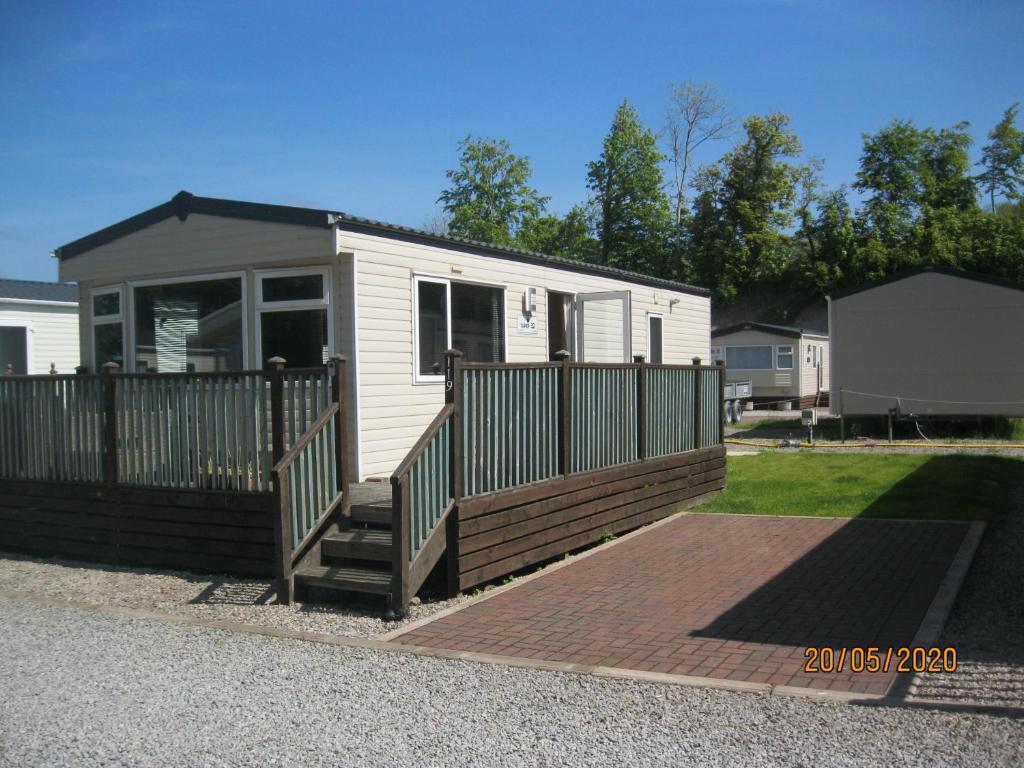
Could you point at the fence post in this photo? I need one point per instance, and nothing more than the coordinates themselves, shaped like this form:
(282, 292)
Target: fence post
(641, 407)
(563, 356)
(109, 422)
(721, 401)
(338, 368)
(453, 395)
(282, 518)
(697, 397)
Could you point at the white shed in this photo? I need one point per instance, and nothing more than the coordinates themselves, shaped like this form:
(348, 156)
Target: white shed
(208, 284)
(38, 327)
(786, 366)
(929, 342)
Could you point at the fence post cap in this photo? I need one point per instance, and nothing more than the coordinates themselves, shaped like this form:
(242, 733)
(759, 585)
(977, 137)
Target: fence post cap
(563, 354)
(110, 367)
(696, 360)
(638, 359)
(53, 369)
(277, 361)
(453, 352)
(338, 358)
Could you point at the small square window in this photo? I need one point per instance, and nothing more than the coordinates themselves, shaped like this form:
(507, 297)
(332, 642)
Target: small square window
(293, 288)
(106, 304)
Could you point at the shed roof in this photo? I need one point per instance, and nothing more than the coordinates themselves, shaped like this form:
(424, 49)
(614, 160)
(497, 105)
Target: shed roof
(35, 290)
(778, 330)
(185, 203)
(937, 270)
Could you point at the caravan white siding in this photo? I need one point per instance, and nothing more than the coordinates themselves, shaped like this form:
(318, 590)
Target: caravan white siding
(51, 331)
(932, 344)
(394, 409)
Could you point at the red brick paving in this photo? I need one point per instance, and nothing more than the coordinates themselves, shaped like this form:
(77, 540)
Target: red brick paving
(721, 596)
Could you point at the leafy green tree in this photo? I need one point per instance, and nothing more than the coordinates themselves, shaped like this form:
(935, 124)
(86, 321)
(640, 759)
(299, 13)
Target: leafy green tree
(567, 237)
(632, 212)
(890, 173)
(946, 169)
(1003, 159)
(489, 198)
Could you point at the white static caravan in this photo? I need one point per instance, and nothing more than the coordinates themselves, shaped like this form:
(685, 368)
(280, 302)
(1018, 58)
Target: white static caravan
(788, 367)
(38, 327)
(929, 342)
(208, 284)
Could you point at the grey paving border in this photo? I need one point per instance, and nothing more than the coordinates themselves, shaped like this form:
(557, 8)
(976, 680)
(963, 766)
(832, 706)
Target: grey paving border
(928, 633)
(618, 673)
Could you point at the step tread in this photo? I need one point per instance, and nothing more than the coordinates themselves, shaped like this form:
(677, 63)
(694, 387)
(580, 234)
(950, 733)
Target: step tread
(361, 537)
(377, 514)
(354, 579)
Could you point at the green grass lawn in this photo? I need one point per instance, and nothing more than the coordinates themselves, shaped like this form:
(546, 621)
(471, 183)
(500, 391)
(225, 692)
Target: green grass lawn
(910, 486)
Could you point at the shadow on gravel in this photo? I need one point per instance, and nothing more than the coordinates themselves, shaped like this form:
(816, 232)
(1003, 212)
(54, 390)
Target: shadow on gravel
(231, 592)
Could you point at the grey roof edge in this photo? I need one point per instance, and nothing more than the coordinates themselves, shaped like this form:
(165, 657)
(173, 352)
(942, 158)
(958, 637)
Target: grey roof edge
(41, 291)
(184, 203)
(931, 269)
(777, 330)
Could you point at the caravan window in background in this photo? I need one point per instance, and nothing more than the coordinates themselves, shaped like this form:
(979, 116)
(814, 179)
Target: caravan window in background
(716, 355)
(784, 357)
(195, 326)
(748, 358)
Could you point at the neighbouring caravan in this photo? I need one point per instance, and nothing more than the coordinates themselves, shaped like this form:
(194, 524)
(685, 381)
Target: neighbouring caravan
(787, 367)
(929, 342)
(38, 327)
(204, 284)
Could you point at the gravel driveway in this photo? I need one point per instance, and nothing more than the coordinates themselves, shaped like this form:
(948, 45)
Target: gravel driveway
(83, 688)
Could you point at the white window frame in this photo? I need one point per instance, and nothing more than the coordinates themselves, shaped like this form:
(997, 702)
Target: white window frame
(749, 346)
(30, 360)
(298, 304)
(779, 353)
(661, 318)
(128, 335)
(417, 377)
(119, 318)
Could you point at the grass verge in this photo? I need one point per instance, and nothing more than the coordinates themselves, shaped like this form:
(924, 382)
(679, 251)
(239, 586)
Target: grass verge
(907, 486)
(990, 428)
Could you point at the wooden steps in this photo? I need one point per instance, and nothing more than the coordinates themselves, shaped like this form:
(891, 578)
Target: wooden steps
(358, 545)
(349, 579)
(358, 557)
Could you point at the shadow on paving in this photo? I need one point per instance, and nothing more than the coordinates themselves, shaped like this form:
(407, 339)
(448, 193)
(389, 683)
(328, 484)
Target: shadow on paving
(871, 582)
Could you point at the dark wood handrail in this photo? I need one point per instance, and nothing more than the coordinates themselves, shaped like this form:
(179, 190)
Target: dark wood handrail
(307, 437)
(425, 438)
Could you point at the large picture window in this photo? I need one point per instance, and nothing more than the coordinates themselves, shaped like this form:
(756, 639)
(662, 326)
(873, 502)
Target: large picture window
(195, 326)
(293, 318)
(748, 358)
(107, 328)
(466, 316)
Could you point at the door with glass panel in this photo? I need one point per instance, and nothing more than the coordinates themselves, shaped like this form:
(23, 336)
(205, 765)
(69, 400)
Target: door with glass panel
(603, 327)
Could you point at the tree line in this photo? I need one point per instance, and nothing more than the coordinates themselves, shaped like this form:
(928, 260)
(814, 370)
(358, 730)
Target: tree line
(760, 214)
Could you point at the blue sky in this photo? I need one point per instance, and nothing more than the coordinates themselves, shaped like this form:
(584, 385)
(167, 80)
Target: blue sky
(109, 109)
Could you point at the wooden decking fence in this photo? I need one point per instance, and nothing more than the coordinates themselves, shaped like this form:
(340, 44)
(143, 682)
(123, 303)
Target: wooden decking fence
(168, 430)
(511, 430)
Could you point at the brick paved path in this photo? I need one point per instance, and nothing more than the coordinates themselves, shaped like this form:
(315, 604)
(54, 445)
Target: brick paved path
(721, 596)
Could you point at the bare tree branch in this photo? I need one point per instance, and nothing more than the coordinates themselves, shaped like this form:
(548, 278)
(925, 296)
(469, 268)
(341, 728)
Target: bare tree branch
(695, 115)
